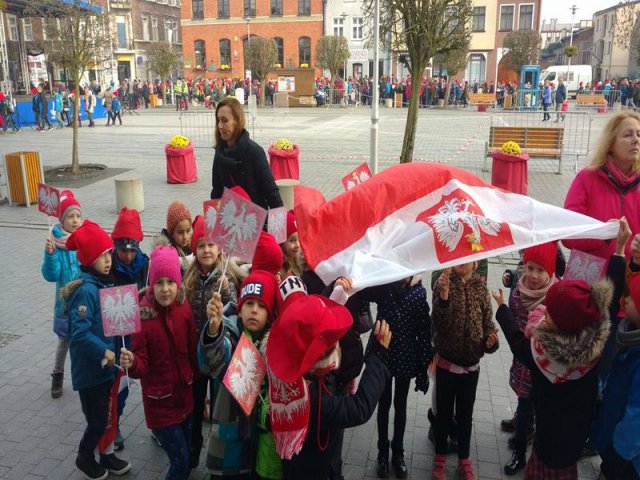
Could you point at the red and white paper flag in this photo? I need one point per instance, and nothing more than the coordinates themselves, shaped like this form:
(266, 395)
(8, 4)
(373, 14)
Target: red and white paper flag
(360, 175)
(120, 310)
(245, 374)
(211, 210)
(239, 224)
(277, 223)
(417, 217)
(583, 266)
(48, 200)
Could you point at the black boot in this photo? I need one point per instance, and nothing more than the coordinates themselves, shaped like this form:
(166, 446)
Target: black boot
(397, 461)
(508, 425)
(57, 379)
(383, 459)
(194, 456)
(518, 462)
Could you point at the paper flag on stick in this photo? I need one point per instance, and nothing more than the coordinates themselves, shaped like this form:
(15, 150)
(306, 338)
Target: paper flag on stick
(120, 310)
(245, 374)
(49, 200)
(211, 210)
(583, 266)
(277, 223)
(358, 176)
(239, 224)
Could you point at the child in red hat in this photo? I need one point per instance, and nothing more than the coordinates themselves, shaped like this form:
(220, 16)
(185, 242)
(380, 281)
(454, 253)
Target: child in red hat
(306, 413)
(178, 232)
(232, 443)
(562, 356)
(201, 280)
(163, 357)
(291, 249)
(60, 265)
(92, 354)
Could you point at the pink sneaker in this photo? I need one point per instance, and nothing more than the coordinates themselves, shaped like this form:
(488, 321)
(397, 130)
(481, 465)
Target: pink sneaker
(465, 467)
(439, 464)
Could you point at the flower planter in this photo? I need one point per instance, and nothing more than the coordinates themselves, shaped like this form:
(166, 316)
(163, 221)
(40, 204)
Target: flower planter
(181, 164)
(509, 172)
(284, 163)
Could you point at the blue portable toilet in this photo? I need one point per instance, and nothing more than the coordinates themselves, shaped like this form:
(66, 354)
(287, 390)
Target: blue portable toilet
(529, 87)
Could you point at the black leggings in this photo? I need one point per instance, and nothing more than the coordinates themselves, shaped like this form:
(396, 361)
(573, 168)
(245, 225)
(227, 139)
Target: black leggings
(95, 406)
(458, 389)
(399, 418)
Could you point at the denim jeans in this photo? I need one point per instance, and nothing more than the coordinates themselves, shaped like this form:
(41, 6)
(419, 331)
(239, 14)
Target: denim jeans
(175, 441)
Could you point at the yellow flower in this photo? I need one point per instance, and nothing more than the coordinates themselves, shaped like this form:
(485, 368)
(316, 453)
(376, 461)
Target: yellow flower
(511, 148)
(283, 144)
(179, 141)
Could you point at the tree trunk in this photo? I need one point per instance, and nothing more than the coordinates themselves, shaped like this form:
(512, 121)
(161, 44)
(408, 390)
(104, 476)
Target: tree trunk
(75, 157)
(412, 124)
(447, 92)
(263, 88)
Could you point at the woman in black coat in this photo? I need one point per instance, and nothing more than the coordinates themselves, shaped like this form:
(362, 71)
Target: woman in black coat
(239, 160)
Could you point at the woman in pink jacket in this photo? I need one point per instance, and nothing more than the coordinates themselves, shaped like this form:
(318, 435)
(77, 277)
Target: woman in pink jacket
(609, 187)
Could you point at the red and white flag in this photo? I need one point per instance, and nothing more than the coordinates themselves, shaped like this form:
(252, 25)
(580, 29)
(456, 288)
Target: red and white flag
(48, 200)
(360, 175)
(416, 217)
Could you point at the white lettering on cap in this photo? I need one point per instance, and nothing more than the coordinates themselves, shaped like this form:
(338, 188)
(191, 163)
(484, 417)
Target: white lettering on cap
(251, 289)
(292, 285)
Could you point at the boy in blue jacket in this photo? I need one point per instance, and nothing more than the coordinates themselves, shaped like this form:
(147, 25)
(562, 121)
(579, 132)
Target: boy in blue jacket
(92, 354)
(60, 265)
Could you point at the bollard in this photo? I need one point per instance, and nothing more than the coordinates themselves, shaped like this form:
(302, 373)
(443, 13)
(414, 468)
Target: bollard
(129, 193)
(286, 186)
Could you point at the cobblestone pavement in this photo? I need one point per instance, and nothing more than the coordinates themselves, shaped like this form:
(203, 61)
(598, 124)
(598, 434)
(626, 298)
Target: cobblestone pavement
(39, 436)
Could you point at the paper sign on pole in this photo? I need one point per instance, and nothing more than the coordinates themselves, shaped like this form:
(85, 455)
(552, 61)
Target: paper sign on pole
(120, 310)
(358, 176)
(245, 374)
(277, 223)
(48, 200)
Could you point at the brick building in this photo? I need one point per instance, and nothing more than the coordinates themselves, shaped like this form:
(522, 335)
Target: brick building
(215, 33)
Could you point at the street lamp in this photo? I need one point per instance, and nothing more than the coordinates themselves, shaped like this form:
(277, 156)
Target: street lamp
(343, 15)
(573, 9)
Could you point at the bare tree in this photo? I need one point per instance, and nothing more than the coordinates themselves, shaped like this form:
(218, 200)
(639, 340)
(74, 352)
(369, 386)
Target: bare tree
(332, 52)
(625, 24)
(424, 29)
(453, 61)
(78, 37)
(524, 49)
(261, 55)
(163, 58)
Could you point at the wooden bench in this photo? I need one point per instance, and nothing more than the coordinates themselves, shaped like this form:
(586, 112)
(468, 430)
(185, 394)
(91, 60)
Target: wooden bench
(482, 98)
(536, 141)
(590, 100)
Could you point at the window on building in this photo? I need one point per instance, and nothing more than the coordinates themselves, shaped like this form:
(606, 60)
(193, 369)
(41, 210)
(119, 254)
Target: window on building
(280, 45)
(304, 7)
(525, 19)
(276, 7)
(304, 50)
(145, 27)
(223, 8)
(225, 51)
(477, 23)
(27, 28)
(154, 29)
(249, 8)
(197, 9)
(121, 26)
(174, 26)
(13, 27)
(506, 17)
(168, 32)
(476, 68)
(200, 54)
(338, 27)
(357, 24)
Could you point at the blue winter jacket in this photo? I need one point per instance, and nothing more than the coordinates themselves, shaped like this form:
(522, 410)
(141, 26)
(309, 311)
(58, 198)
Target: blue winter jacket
(61, 267)
(88, 343)
(618, 420)
(546, 95)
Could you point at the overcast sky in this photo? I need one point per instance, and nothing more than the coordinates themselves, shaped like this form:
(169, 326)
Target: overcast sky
(560, 9)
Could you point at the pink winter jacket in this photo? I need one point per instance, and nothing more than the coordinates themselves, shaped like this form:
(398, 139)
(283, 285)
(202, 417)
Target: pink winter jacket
(595, 194)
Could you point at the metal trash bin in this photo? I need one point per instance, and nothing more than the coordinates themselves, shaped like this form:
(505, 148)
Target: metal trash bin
(24, 173)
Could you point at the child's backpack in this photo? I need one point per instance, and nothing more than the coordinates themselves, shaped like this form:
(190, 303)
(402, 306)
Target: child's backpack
(116, 105)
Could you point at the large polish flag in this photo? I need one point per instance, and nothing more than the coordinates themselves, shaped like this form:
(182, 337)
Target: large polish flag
(416, 217)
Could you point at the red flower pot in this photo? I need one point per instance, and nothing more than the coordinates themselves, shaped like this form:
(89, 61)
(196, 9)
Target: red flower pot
(284, 163)
(181, 164)
(509, 172)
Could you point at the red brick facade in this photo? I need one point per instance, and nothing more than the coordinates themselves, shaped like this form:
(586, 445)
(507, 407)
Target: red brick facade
(290, 26)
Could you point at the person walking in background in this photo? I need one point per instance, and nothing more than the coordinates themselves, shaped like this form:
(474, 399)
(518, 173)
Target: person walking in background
(561, 97)
(89, 105)
(546, 100)
(58, 107)
(108, 106)
(6, 113)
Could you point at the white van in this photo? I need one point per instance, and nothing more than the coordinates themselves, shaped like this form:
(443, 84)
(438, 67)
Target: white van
(571, 75)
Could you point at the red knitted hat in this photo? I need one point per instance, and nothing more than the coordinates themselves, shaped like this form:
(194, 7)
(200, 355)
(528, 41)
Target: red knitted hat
(176, 213)
(198, 231)
(91, 241)
(571, 306)
(128, 226)
(262, 286)
(292, 226)
(290, 290)
(68, 202)
(544, 255)
(268, 255)
(303, 332)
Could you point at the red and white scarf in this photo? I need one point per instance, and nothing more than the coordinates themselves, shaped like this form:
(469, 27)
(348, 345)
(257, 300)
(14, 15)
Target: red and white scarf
(555, 371)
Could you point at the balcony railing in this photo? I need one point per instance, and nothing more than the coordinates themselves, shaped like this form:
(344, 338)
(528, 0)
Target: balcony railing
(120, 4)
